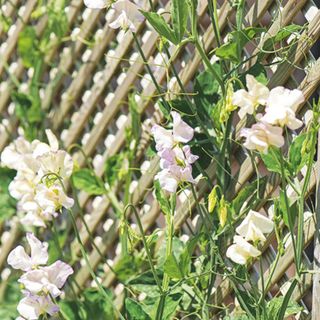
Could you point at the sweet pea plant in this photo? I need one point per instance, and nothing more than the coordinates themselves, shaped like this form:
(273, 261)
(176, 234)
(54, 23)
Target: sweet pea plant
(232, 110)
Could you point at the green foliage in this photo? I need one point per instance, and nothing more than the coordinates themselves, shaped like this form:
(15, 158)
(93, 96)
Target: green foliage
(238, 39)
(298, 155)
(9, 300)
(7, 203)
(86, 180)
(127, 266)
(112, 168)
(179, 14)
(28, 46)
(93, 306)
(161, 26)
(275, 305)
(179, 18)
(135, 310)
(161, 198)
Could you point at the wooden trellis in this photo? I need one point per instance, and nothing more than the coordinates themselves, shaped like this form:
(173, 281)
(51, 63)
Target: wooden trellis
(86, 98)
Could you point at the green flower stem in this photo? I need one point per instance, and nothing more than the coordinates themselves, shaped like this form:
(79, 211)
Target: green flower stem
(145, 61)
(302, 200)
(169, 242)
(200, 49)
(286, 200)
(145, 245)
(85, 256)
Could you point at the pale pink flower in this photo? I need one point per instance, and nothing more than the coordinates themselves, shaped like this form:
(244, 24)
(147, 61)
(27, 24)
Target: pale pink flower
(261, 136)
(177, 156)
(19, 259)
(281, 106)
(248, 101)
(181, 133)
(170, 178)
(241, 251)
(47, 279)
(127, 15)
(97, 4)
(31, 307)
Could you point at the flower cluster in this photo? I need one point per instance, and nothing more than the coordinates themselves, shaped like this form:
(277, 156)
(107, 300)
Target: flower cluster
(280, 105)
(176, 159)
(42, 169)
(126, 14)
(41, 284)
(252, 229)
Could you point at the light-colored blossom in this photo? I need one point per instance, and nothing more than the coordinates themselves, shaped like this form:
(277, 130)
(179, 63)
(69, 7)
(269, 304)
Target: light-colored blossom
(241, 251)
(19, 259)
(261, 136)
(127, 15)
(31, 307)
(48, 279)
(171, 177)
(181, 133)
(97, 4)
(281, 106)
(51, 199)
(254, 226)
(248, 100)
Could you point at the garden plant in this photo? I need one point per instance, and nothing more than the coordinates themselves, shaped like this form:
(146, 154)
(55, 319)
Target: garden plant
(230, 161)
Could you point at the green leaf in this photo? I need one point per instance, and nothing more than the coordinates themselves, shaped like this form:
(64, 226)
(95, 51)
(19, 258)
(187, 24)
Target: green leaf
(272, 160)
(238, 39)
(171, 305)
(135, 310)
(179, 18)
(28, 46)
(135, 117)
(298, 157)
(281, 35)
(275, 304)
(96, 305)
(146, 283)
(289, 218)
(258, 71)
(127, 266)
(172, 268)
(7, 203)
(185, 257)
(161, 198)
(112, 168)
(86, 180)
(161, 26)
(207, 90)
(71, 310)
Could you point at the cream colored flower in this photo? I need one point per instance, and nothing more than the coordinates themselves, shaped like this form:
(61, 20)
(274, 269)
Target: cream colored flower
(281, 106)
(248, 101)
(254, 226)
(241, 251)
(261, 136)
(97, 4)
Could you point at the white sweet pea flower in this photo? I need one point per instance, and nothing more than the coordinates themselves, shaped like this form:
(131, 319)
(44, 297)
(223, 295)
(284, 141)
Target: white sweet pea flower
(59, 162)
(19, 259)
(97, 4)
(241, 251)
(261, 136)
(47, 279)
(281, 106)
(248, 101)
(31, 307)
(52, 198)
(254, 226)
(127, 15)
